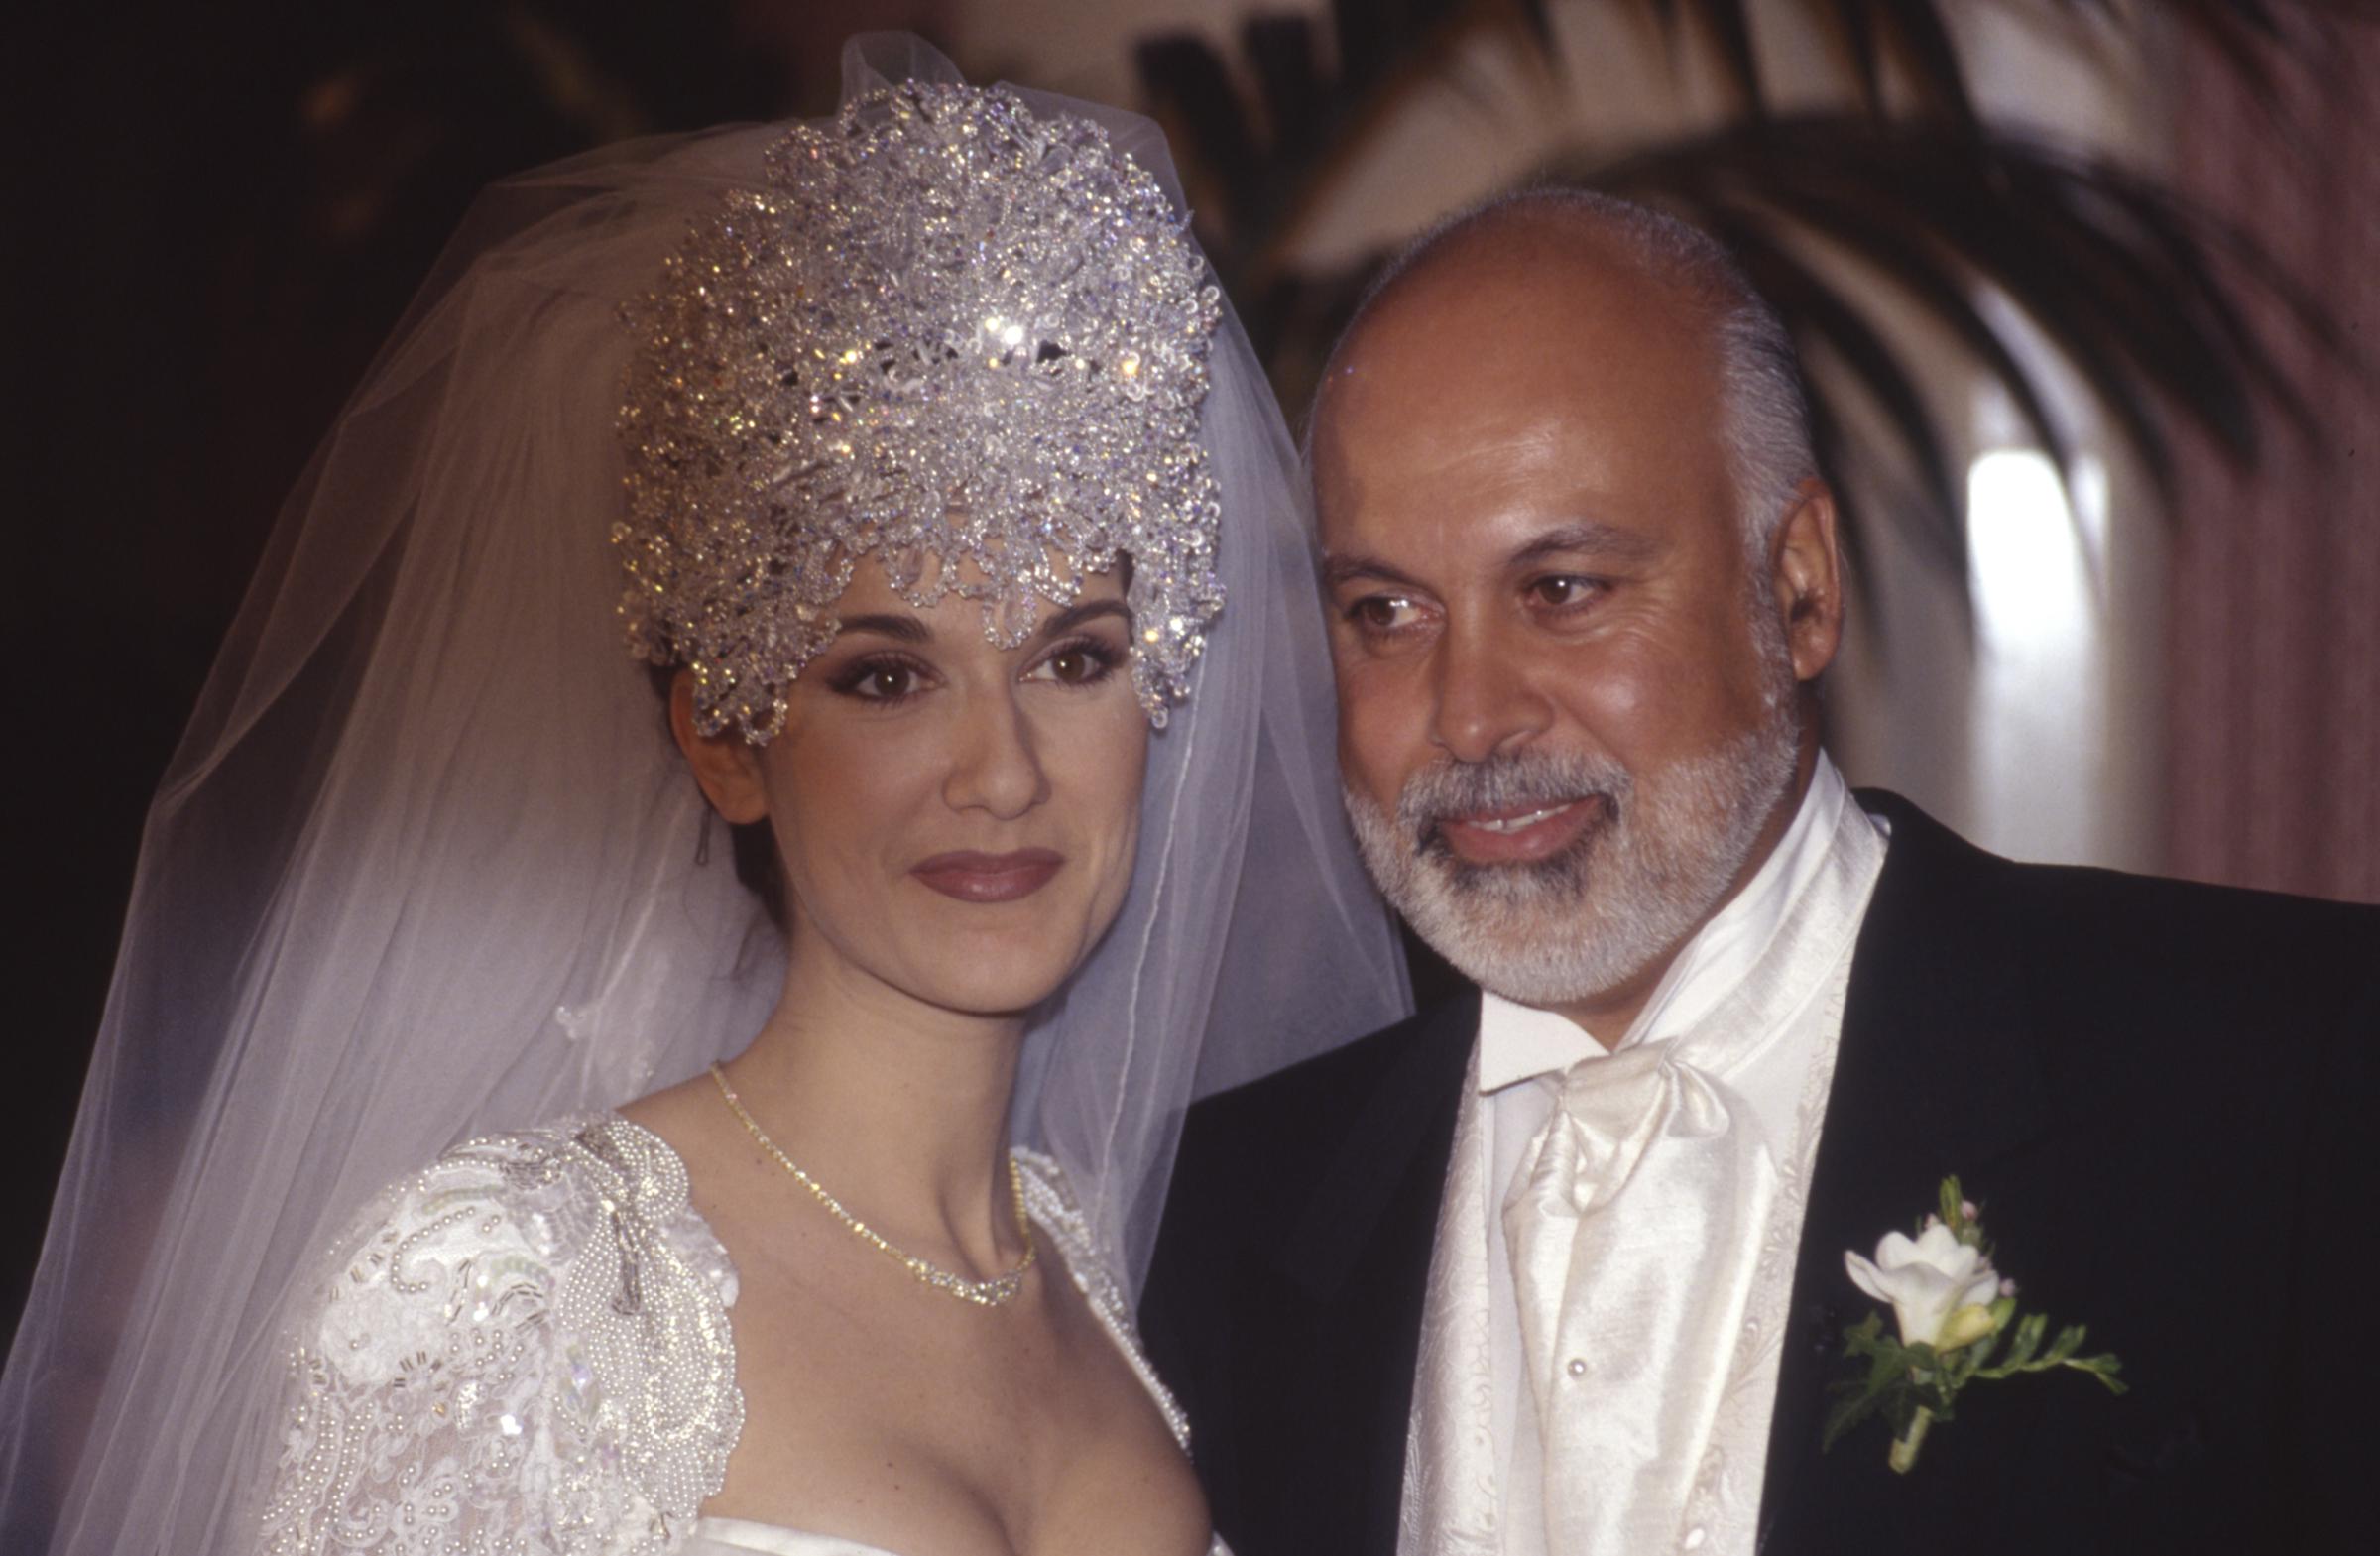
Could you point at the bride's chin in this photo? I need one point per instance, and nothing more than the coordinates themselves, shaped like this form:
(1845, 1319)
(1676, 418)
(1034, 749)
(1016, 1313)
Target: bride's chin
(991, 1000)
(991, 975)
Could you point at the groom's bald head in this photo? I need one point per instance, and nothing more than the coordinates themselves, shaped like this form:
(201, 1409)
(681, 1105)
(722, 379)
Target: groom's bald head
(1763, 411)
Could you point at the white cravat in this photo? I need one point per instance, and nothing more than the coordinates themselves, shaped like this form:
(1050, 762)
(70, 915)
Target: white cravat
(1618, 1229)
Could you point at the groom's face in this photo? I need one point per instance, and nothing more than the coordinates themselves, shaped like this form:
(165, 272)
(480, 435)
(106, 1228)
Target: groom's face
(1567, 710)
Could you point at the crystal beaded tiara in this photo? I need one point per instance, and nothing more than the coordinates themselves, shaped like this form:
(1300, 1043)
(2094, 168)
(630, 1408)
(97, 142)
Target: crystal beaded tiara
(964, 337)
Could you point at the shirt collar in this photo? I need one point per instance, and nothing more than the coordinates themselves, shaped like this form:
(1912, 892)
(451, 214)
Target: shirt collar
(1518, 1041)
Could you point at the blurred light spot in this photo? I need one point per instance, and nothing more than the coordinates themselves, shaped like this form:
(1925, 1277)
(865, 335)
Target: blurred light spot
(2031, 581)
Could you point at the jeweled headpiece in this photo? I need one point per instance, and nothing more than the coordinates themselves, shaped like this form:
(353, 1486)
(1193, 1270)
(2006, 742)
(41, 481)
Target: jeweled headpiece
(964, 337)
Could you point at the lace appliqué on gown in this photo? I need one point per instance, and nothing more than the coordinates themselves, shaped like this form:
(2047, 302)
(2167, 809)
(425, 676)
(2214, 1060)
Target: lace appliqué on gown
(523, 1349)
(1049, 1200)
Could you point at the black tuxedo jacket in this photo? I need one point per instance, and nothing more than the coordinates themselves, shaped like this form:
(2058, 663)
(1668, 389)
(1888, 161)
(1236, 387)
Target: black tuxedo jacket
(2161, 1094)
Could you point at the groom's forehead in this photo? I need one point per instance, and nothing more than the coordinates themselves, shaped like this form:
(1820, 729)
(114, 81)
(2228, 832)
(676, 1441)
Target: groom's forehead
(1520, 278)
(1517, 387)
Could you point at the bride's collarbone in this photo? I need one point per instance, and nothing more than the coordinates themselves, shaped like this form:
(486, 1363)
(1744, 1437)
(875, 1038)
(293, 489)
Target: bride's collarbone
(879, 1410)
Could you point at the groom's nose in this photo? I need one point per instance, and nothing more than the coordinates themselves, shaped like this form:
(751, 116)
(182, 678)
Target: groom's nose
(1484, 702)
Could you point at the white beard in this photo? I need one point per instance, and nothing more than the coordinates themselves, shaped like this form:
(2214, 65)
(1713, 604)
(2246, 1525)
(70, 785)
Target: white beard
(1631, 887)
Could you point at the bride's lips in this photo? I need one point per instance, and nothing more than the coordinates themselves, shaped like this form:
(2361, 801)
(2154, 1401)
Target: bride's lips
(989, 877)
(1521, 833)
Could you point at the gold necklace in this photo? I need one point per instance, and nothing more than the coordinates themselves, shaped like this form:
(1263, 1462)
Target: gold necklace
(993, 1292)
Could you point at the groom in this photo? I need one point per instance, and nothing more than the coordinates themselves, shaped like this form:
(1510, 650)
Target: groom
(1561, 1266)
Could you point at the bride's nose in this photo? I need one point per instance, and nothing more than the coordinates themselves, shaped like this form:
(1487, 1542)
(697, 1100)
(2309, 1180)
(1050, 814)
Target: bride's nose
(995, 761)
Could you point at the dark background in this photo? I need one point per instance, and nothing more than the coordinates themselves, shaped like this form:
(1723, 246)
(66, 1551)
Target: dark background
(217, 214)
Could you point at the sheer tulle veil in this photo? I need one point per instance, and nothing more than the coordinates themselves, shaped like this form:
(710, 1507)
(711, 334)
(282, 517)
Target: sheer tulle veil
(425, 865)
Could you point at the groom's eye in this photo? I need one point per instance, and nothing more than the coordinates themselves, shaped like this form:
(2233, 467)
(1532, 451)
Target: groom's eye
(1560, 591)
(1378, 613)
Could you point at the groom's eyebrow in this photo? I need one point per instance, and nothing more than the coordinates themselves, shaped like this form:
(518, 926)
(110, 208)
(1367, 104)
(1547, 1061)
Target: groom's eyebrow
(1338, 570)
(1591, 535)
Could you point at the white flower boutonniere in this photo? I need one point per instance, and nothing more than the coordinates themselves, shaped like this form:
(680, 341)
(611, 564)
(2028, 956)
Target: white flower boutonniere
(1953, 1311)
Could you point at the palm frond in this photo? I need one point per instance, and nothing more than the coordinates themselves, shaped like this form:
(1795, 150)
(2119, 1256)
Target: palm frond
(1824, 318)
(2131, 285)
(2146, 297)
(1259, 166)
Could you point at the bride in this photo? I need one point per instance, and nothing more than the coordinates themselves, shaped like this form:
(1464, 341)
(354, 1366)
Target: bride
(989, 818)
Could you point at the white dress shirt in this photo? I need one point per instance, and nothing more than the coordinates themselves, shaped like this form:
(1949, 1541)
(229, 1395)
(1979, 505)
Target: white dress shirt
(1481, 1467)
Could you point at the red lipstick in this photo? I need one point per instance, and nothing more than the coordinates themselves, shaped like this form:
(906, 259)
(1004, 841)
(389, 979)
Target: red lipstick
(971, 877)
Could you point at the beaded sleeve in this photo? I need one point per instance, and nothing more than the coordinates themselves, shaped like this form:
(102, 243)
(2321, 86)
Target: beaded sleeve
(523, 1349)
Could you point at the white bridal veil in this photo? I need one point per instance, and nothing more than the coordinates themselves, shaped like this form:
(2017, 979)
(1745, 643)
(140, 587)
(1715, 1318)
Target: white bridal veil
(427, 865)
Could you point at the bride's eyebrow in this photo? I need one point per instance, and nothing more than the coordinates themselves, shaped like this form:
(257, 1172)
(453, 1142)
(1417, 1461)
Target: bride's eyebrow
(1082, 614)
(904, 629)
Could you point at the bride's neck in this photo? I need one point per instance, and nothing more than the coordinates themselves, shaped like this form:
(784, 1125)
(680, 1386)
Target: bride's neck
(892, 1104)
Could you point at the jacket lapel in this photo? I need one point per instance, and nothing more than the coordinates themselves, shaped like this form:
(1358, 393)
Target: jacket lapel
(1936, 1073)
(1358, 1257)
(1396, 1143)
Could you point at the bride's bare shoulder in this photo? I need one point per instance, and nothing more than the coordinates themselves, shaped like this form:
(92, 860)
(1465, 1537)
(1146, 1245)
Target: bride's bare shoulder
(675, 1113)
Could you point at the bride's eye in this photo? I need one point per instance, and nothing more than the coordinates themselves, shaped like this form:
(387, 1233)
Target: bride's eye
(880, 677)
(1078, 661)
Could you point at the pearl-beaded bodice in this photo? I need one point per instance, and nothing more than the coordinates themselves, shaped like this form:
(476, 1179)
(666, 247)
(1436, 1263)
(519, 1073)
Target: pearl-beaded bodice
(526, 1349)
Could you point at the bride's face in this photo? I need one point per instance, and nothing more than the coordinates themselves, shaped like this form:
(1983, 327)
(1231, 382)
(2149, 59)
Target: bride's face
(957, 820)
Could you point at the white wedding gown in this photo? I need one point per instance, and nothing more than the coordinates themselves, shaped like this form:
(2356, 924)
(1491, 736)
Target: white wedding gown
(526, 1349)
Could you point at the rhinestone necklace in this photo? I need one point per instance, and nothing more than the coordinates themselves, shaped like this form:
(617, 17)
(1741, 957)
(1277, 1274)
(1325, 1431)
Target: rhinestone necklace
(993, 1292)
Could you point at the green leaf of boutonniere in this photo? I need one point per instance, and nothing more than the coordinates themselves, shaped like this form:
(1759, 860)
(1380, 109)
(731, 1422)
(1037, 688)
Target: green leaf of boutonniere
(1862, 1397)
(1954, 1315)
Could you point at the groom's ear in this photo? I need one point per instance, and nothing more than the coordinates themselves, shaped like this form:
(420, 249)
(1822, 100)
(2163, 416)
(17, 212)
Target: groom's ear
(1806, 579)
(726, 765)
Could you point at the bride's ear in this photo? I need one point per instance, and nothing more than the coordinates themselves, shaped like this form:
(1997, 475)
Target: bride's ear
(726, 765)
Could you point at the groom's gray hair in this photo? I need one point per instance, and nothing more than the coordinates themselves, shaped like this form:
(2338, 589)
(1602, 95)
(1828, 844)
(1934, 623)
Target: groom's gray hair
(1764, 415)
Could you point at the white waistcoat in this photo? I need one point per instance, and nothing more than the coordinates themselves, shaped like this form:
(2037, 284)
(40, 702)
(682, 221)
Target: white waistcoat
(1616, 1248)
